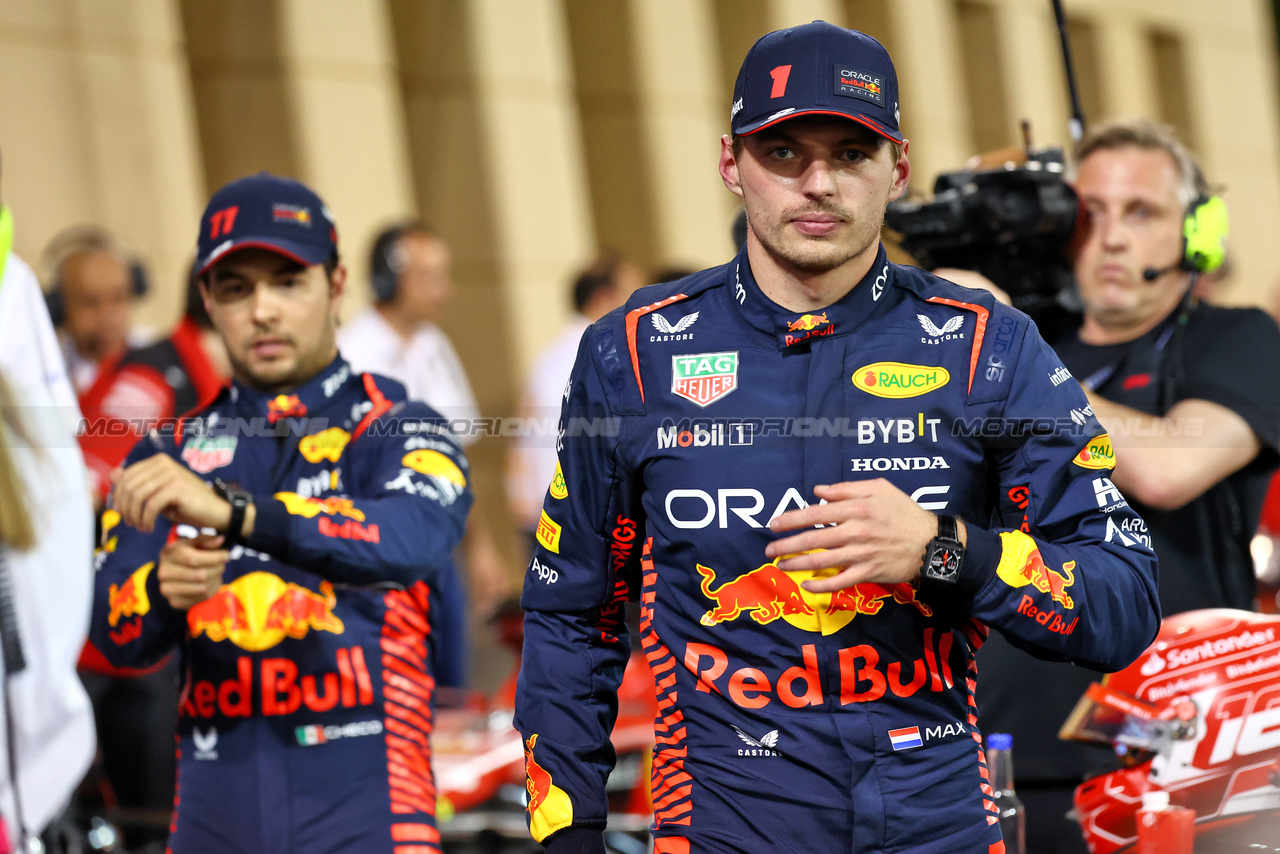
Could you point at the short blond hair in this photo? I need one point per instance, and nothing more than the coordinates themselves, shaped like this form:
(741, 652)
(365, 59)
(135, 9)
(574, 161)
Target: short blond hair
(1150, 136)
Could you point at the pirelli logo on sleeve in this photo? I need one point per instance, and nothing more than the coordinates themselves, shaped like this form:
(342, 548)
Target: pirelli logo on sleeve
(548, 533)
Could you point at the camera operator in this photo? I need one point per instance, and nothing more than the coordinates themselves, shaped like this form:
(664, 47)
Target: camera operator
(1190, 396)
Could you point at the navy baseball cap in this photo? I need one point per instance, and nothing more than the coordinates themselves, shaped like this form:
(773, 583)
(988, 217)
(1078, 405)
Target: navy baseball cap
(268, 212)
(816, 69)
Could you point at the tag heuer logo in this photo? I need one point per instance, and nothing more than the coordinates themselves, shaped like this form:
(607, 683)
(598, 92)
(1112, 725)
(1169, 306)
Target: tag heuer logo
(206, 453)
(704, 378)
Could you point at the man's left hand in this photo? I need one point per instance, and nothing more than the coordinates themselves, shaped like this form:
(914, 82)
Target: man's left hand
(159, 485)
(879, 534)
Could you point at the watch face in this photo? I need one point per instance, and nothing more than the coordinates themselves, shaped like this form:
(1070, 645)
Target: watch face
(943, 562)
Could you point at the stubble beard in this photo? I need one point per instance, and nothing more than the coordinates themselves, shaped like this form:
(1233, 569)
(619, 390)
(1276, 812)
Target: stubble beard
(275, 377)
(817, 255)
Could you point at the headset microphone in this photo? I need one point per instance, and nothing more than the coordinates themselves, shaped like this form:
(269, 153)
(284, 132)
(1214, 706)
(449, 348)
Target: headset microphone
(1204, 235)
(1150, 274)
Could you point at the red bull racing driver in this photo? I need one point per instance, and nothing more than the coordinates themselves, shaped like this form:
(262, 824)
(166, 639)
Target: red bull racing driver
(287, 539)
(823, 494)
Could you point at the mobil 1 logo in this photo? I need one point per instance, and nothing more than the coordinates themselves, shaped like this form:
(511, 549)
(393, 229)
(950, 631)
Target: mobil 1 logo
(706, 435)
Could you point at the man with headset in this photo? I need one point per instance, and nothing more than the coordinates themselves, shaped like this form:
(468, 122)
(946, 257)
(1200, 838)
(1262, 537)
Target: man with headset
(1190, 395)
(91, 286)
(399, 335)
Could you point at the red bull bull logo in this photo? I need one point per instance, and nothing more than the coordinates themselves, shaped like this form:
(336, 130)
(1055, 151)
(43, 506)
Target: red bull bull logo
(311, 507)
(807, 322)
(869, 597)
(768, 593)
(130, 598)
(1021, 565)
(259, 610)
(285, 406)
(549, 806)
(291, 213)
(808, 326)
(110, 519)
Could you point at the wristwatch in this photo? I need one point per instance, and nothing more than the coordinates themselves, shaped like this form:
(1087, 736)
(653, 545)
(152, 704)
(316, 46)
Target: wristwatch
(944, 553)
(239, 500)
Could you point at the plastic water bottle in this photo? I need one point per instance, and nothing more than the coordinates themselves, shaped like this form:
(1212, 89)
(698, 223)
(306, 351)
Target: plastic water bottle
(1013, 821)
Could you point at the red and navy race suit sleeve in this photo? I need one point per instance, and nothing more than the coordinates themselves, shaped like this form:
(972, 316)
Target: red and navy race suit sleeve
(405, 515)
(1063, 574)
(133, 625)
(576, 644)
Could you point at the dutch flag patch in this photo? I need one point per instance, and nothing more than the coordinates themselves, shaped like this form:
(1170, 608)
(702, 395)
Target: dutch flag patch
(906, 738)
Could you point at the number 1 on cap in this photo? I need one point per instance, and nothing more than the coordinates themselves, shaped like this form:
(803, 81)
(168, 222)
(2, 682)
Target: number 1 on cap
(779, 75)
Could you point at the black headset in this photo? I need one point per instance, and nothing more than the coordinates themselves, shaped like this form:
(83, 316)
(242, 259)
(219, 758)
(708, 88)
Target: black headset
(387, 261)
(74, 241)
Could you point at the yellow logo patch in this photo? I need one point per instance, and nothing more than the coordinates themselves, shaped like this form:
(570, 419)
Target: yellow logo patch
(558, 489)
(898, 380)
(434, 463)
(325, 445)
(1098, 454)
(548, 533)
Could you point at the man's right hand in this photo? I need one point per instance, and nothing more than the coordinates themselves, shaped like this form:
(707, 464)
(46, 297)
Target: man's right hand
(190, 570)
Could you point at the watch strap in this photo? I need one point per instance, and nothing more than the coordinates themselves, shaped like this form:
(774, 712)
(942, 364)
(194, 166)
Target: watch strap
(239, 501)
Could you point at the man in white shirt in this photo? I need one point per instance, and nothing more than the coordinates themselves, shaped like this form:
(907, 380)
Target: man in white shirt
(603, 286)
(397, 336)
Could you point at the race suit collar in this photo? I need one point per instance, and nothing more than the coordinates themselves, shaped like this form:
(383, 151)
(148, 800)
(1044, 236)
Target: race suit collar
(312, 398)
(792, 328)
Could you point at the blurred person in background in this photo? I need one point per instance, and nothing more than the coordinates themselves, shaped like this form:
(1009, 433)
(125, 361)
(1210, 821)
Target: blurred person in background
(92, 285)
(46, 571)
(191, 361)
(1190, 396)
(603, 286)
(308, 688)
(398, 336)
(411, 276)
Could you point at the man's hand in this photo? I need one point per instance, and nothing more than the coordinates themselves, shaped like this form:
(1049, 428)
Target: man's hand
(879, 535)
(1168, 462)
(159, 485)
(190, 571)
